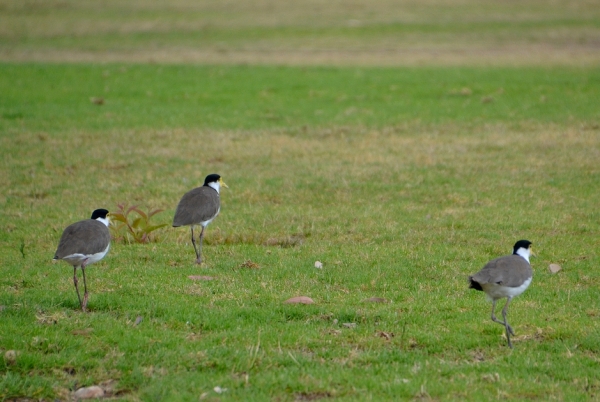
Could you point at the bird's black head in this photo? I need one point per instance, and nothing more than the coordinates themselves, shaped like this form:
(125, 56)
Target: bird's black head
(211, 178)
(99, 213)
(521, 244)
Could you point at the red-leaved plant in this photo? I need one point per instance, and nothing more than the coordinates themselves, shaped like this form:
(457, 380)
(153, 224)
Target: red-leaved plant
(128, 227)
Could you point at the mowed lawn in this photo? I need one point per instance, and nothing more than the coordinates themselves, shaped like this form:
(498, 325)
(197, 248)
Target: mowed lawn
(400, 181)
(377, 153)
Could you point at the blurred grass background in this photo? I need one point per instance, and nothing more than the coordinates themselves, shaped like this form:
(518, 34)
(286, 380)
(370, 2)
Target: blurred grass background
(307, 32)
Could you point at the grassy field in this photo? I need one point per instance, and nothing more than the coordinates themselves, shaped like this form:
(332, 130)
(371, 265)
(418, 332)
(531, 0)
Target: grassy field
(401, 180)
(400, 202)
(306, 32)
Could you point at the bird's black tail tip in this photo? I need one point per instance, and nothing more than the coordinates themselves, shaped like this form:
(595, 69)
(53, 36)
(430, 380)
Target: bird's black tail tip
(473, 284)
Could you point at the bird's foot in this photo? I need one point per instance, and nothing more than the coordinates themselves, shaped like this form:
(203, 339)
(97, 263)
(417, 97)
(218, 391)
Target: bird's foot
(199, 261)
(507, 336)
(510, 330)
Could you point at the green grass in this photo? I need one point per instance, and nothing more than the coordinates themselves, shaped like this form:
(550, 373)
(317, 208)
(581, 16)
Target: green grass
(57, 97)
(400, 181)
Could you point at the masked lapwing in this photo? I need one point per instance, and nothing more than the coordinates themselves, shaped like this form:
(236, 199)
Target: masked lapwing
(84, 243)
(199, 207)
(505, 277)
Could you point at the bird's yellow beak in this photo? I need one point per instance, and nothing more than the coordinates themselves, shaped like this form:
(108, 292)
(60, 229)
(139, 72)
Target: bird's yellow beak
(222, 183)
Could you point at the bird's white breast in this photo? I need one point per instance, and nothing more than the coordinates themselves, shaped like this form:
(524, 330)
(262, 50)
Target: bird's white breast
(494, 291)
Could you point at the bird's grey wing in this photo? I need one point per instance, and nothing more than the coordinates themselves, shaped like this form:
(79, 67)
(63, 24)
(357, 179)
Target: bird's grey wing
(520, 270)
(510, 270)
(84, 237)
(197, 205)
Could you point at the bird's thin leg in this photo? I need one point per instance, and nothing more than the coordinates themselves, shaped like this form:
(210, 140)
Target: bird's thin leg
(199, 253)
(494, 314)
(504, 312)
(507, 327)
(75, 282)
(85, 292)
(509, 330)
(194, 243)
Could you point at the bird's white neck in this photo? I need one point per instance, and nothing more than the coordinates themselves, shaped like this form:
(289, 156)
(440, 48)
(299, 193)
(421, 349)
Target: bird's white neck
(106, 221)
(216, 185)
(524, 252)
